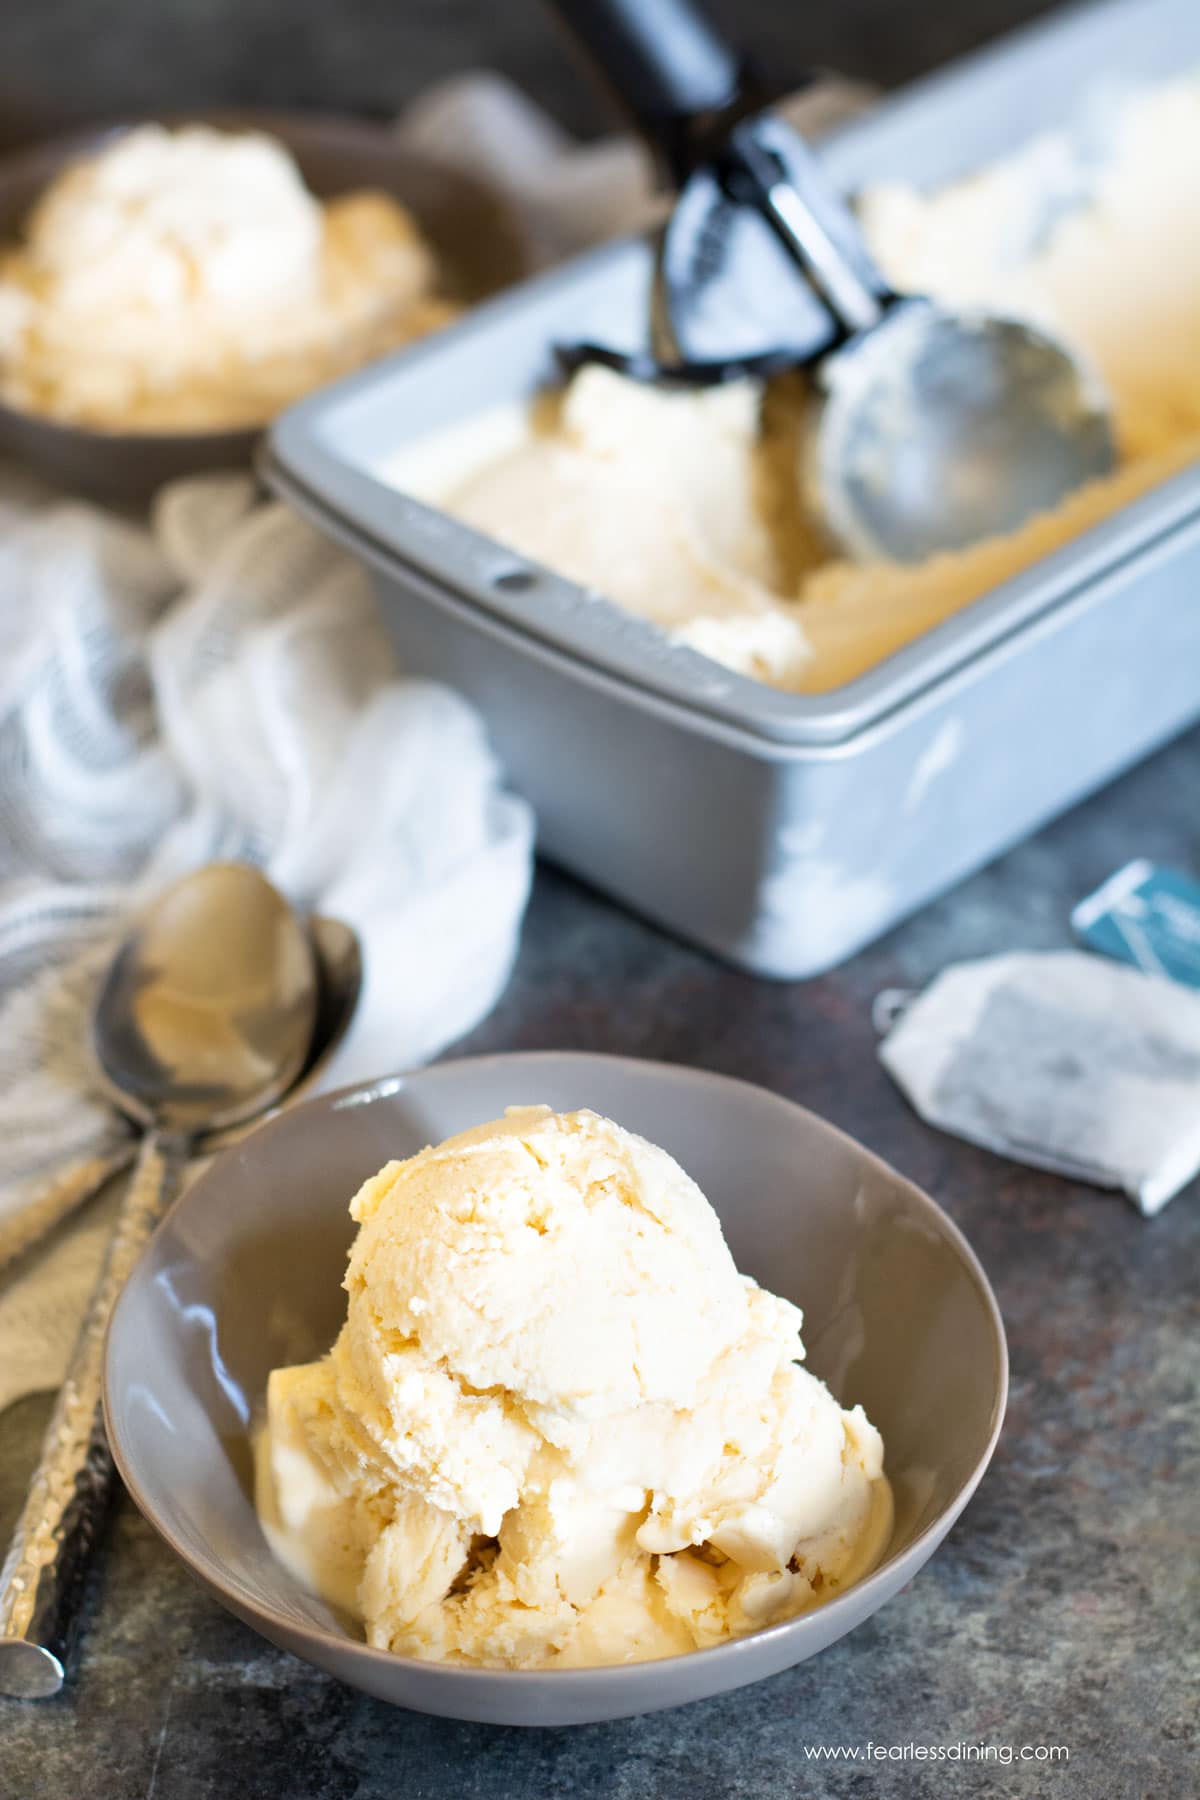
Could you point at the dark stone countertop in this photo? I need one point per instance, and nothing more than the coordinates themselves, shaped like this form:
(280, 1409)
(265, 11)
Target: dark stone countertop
(1063, 1607)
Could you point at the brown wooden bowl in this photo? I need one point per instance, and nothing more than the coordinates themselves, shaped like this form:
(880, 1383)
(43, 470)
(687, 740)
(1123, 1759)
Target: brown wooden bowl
(476, 237)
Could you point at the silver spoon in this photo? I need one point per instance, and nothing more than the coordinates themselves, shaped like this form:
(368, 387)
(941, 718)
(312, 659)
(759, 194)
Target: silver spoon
(339, 965)
(339, 980)
(934, 429)
(204, 1020)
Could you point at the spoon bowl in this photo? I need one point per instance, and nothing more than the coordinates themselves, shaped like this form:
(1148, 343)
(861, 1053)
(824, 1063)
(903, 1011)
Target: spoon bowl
(207, 1014)
(339, 969)
(339, 963)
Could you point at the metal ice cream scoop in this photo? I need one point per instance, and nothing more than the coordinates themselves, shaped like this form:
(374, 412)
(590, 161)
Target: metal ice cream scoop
(932, 428)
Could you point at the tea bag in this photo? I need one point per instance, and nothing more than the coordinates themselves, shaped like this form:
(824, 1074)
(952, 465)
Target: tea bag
(1061, 1060)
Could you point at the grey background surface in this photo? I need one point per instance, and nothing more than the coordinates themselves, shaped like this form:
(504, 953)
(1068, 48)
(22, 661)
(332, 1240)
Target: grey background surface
(74, 60)
(1063, 1608)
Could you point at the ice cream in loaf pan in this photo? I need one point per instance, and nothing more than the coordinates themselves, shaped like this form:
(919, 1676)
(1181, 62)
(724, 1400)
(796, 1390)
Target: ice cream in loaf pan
(683, 507)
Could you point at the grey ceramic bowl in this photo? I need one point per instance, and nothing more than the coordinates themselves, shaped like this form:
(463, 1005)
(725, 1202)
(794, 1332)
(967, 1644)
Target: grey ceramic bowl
(478, 241)
(245, 1274)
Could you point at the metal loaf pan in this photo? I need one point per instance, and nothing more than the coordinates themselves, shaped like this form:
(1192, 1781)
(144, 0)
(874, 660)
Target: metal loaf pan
(782, 831)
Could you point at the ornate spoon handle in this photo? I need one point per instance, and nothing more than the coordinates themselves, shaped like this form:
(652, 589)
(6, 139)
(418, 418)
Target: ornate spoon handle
(41, 1583)
(61, 1196)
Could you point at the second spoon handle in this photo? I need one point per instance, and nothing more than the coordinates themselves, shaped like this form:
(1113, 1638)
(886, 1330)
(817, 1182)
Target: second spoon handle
(41, 1583)
(62, 1195)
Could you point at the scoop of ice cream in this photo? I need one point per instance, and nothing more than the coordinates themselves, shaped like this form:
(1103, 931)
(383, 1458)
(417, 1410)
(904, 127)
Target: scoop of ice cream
(558, 1425)
(165, 218)
(188, 278)
(649, 497)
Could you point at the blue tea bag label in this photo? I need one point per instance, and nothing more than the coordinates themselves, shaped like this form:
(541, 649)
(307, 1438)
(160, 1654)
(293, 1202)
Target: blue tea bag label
(1147, 916)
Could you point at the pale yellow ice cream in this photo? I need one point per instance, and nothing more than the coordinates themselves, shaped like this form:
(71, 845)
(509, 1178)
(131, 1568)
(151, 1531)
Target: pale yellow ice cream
(684, 508)
(187, 280)
(558, 1427)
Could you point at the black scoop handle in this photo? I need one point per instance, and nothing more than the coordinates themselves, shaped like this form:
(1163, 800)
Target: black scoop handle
(667, 65)
(689, 94)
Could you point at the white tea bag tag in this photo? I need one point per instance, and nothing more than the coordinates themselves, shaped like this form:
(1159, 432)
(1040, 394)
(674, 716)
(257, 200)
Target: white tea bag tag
(1060, 1060)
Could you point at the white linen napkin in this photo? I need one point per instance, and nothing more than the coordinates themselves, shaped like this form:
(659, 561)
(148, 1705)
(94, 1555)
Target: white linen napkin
(217, 685)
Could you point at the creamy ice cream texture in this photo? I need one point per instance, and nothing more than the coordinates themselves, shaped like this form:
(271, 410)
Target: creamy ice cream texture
(187, 279)
(558, 1427)
(683, 508)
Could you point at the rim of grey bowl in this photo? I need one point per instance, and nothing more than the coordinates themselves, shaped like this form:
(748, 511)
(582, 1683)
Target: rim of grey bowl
(310, 136)
(251, 1610)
